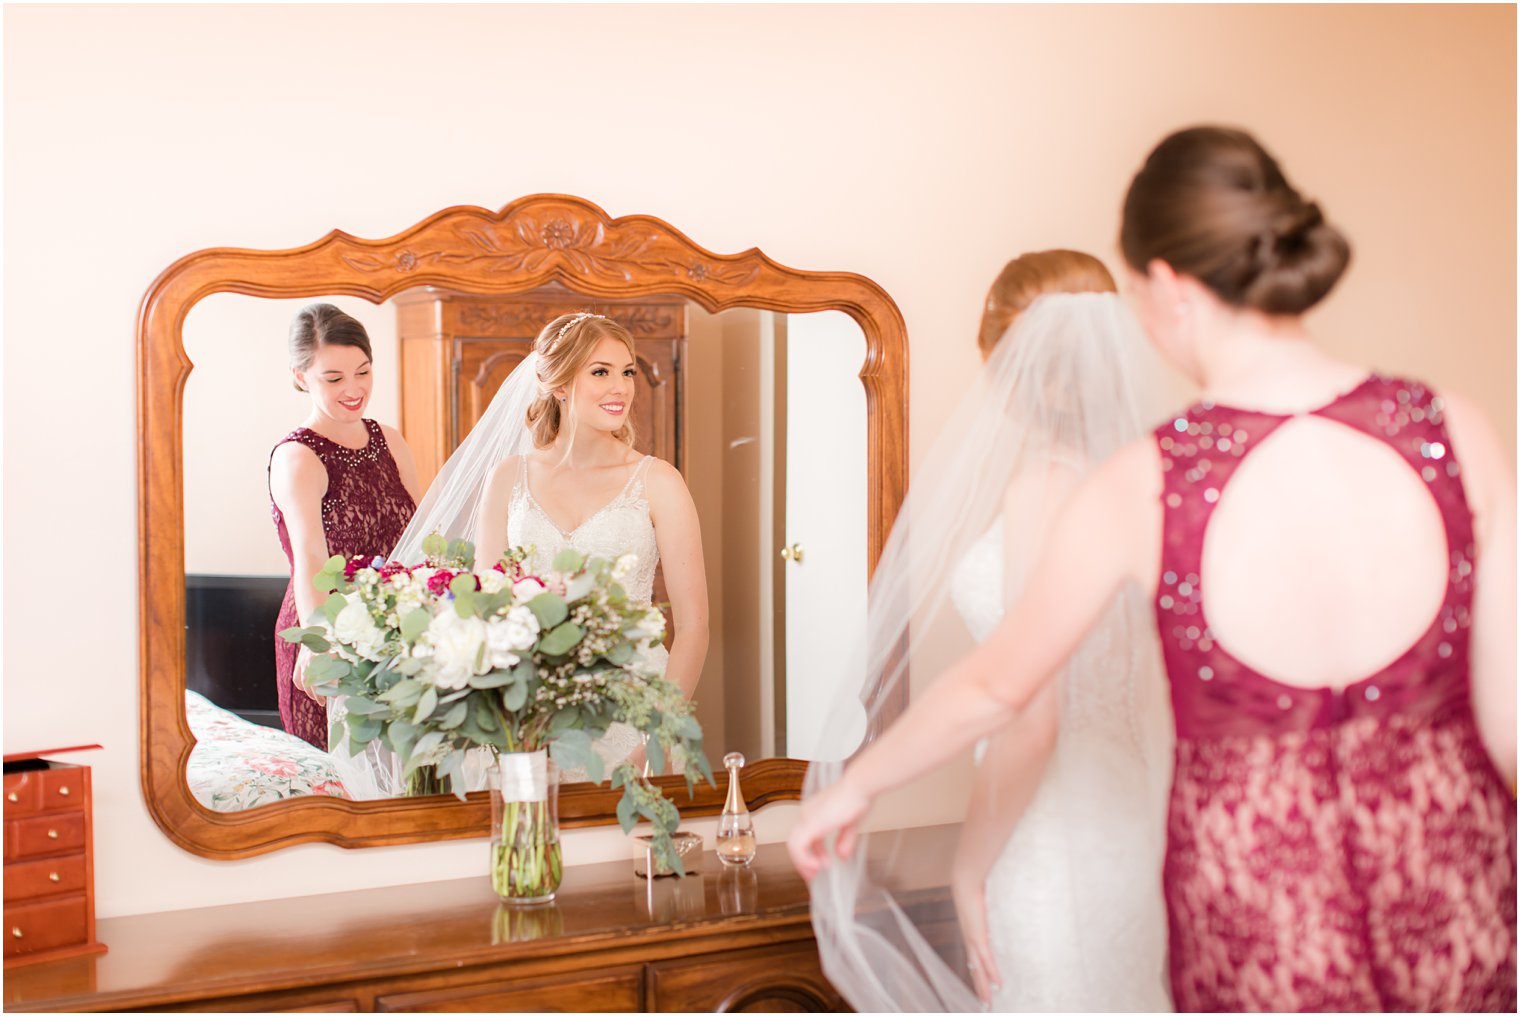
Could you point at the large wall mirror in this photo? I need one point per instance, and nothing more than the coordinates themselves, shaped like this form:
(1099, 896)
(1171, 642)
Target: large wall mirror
(780, 395)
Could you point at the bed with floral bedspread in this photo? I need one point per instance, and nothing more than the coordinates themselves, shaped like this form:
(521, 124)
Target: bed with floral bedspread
(237, 764)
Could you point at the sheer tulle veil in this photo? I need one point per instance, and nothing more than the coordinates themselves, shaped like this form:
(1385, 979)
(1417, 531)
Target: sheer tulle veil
(1057, 396)
(449, 508)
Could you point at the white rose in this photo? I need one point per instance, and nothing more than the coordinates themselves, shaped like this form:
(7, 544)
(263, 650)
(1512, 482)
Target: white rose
(492, 581)
(500, 643)
(456, 646)
(355, 627)
(525, 589)
(522, 629)
(623, 566)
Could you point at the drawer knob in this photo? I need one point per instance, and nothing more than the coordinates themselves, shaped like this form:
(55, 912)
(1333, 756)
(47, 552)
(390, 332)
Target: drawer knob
(52, 834)
(53, 877)
(13, 797)
(63, 791)
(16, 933)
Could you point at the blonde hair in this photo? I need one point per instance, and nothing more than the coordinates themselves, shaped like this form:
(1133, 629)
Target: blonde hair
(563, 347)
(1030, 276)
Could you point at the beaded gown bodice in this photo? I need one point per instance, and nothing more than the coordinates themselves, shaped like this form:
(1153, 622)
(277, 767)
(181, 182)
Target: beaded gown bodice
(621, 526)
(1330, 849)
(364, 512)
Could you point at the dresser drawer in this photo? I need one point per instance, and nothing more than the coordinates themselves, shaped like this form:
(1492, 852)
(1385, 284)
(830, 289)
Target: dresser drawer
(44, 834)
(48, 925)
(30, 880)
(37, 790)
(620, 989)
(786, 978)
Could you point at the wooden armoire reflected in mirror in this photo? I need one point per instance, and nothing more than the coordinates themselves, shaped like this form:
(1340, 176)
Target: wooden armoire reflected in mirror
(457, 348)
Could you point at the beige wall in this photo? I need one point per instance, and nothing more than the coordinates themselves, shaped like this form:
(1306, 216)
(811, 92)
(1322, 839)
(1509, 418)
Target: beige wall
(920, 147)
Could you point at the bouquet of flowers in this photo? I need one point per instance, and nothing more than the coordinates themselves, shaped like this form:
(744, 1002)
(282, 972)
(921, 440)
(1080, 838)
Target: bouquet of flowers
(433, 660)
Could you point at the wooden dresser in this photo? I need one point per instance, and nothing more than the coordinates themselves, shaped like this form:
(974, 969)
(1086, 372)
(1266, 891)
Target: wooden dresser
(723, 941)
(49, 863)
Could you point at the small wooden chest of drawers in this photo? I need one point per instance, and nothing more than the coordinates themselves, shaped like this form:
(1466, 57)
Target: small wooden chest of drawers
(49, 863)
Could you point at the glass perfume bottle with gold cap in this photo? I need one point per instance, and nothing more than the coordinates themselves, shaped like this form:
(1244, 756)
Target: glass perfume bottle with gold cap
(736, 830)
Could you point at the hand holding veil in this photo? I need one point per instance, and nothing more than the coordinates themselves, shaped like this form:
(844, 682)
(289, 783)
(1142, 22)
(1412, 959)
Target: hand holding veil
(1074, 895)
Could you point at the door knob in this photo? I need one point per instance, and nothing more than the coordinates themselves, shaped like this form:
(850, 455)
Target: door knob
(792, 553)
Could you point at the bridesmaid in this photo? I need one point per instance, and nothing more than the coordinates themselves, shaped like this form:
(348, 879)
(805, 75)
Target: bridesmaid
(338, 484)
(1331, 557)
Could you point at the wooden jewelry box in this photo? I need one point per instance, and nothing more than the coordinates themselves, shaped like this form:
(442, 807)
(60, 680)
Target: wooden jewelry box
(49, 860)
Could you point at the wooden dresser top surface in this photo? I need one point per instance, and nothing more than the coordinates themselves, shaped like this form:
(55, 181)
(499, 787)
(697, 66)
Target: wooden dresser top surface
(307, 940)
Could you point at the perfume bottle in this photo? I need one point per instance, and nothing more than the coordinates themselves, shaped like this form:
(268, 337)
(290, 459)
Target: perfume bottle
(736, 830)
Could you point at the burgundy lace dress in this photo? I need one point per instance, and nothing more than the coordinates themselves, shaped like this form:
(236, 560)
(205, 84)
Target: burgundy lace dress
(364, 512)
(1330, 850)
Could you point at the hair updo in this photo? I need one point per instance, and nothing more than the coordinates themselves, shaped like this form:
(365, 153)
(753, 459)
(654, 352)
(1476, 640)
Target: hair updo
(560, 358)
(321, 324)
(1213, 204)
(1030, 276)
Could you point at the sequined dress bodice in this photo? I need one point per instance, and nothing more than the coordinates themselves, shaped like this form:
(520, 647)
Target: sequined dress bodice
(621, 526)
(1330, 849)
(364, 512)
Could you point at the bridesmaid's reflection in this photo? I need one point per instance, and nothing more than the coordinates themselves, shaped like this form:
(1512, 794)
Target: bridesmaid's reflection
(338, 484)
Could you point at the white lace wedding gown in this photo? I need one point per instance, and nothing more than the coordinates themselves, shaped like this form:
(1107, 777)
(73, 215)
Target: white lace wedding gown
(621, 526)
(1075, 911)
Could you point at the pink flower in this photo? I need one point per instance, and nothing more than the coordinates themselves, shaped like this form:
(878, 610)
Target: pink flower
(332, 788)
(352, 567)
(274, 766)
(438, 583)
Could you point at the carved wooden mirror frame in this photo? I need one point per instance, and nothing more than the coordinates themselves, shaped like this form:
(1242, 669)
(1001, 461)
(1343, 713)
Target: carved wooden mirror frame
(532, 241)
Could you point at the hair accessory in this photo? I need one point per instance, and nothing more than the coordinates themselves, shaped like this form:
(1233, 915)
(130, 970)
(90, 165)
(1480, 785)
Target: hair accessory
(571, 323)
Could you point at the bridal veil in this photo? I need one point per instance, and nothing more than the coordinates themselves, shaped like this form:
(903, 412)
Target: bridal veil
(1056, 397)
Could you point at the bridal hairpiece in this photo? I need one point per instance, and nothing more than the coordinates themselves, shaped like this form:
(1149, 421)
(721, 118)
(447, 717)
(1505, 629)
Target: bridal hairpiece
(570, 324)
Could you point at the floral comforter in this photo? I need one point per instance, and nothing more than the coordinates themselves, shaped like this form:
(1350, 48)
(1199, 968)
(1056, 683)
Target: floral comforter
(237, 764)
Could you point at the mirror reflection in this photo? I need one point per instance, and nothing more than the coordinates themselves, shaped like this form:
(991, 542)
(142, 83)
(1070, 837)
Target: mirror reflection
(762, 413)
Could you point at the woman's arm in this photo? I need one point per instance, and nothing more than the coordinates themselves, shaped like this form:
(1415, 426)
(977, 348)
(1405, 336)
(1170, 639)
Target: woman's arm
(1490, 489)
(491, 514)
(678, 534)
(401, 453)
(1111, 532)
(297, 482)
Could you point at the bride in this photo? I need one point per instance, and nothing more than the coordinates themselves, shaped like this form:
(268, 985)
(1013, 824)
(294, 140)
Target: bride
(550, 465)
(1056, 872)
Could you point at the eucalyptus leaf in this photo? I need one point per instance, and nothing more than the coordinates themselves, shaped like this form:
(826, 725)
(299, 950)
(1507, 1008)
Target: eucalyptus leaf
(627, 816)
(422, 749)
(409, 665)
(364, 707)
(656, 755)
(402, 736)
(561, 640)
(327, 668)
(620, 654)
(464, 602)
(454, 717)
(414, 623)
(426, 704)
(578, 587)
(549, 608)
(515, 697)
(333, 606)
(492, 679)
(315, 642)
(362, 729)
(453, 696)
(568, 560)
(294, 634)
(435, 546)
(404, 693)
(570, 749)
(462, 583)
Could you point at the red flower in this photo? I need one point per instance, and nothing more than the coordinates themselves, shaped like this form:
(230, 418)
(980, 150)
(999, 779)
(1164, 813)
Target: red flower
(438, 582)
(352, 567)
(393, 568)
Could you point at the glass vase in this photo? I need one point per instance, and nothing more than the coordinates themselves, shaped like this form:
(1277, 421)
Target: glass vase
(526, 864)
